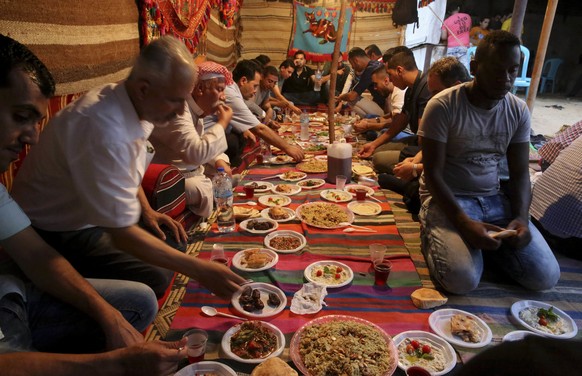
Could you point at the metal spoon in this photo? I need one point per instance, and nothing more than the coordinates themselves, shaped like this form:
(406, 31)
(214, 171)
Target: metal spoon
(211, 311)
(251, 203)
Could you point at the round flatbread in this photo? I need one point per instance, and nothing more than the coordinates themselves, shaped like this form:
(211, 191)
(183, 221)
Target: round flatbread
(274, 367)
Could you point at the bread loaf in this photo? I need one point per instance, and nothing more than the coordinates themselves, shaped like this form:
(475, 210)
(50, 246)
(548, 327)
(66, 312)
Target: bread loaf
(424, 298)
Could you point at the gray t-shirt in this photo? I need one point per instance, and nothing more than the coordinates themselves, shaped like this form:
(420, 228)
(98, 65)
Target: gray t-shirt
(476, 138)
(242, 118)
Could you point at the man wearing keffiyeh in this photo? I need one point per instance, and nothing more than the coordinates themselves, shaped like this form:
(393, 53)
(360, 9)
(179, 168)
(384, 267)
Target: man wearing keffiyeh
(196, 151)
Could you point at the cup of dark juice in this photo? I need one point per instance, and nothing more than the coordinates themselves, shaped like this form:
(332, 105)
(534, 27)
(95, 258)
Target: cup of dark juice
(381, 272)
(196, 345)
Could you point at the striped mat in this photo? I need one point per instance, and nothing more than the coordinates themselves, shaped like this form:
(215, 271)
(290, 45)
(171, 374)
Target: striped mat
(390, 308)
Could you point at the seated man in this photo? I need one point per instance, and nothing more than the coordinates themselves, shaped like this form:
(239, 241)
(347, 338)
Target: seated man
(286, 69)
(360, 62)
(298, 88)
(246, 78)
(343, 72)
(373, 52)
(393, 105)
(44, 303)
(87, 168)
(196, 151)
(404, 74)
(403, 179)
(466, 131)
(261, 100)
(557, 201)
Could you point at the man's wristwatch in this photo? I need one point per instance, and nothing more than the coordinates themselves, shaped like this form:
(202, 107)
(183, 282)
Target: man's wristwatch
(414, 170)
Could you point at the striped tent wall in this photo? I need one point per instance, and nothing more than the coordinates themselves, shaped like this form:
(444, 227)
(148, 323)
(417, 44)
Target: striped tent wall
(83, 43)
(267, 26)
(220, 43)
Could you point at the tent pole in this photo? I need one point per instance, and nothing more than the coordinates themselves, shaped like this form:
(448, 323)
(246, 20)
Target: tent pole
(541, 53)
(517, 17)
(333, 72)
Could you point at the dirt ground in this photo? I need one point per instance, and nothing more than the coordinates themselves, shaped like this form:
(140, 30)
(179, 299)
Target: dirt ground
(551, 112)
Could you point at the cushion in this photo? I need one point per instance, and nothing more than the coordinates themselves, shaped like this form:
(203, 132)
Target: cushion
(164, 186)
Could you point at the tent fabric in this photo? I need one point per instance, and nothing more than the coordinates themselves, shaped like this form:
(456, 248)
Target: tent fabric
(82, 43)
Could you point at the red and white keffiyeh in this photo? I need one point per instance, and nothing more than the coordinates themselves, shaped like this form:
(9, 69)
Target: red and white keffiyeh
(209, 69)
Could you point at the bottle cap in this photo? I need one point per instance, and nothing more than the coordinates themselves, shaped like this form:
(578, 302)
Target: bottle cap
(220, 169)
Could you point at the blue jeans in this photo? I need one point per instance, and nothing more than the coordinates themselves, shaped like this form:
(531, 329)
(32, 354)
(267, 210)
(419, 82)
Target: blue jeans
(44, 323)
(458, 268)
(460, 52)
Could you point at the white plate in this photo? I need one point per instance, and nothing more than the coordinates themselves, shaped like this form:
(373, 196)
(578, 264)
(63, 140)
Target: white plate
(317, 183)
(440, 323)
(300, 176)
(244, 225)
(274, 200)
(263, 183)
(349, 187)
(329, 194)
(321, 157)
(295, 234)
(310, 268)
(517, 307)
(206, 367)
(367, 208)
(518, 335)
(281, 159)
(236, 260)
(290, 212)
(265, 289)
(346, 210)
(225, 343)
(294, 189)
(435, 342)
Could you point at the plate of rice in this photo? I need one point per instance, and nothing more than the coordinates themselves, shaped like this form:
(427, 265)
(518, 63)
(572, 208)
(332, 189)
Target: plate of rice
(324, 215)
(336, 344)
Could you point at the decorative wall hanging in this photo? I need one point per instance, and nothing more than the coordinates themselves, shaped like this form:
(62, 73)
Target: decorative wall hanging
(185, 19)
(315, 31)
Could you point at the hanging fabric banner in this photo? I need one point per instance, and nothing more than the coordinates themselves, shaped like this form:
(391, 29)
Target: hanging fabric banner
(315, 31)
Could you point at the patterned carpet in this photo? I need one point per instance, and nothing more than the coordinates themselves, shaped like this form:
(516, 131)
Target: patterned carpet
(407, 227)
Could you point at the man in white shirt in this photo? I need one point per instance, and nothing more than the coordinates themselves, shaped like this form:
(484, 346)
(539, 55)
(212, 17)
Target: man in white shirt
(65, 312)
(88, 168)
(196, 151)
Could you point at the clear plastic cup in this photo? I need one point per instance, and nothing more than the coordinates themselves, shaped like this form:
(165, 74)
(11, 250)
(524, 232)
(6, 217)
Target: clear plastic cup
(217, 254)
(196, 345)
(377, 252)
(340, 182)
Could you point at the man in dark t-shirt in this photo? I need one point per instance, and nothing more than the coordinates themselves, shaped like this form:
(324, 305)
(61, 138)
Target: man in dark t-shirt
(363, 106)
(404, 73)
(298, 88)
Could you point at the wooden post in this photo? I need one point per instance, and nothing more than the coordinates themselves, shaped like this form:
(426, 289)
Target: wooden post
(541, 53)
(333, 72)
(517, 17)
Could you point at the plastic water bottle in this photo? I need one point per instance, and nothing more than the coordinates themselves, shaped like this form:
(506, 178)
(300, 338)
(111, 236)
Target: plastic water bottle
(223, 199)
(317, 84)
(304, 120)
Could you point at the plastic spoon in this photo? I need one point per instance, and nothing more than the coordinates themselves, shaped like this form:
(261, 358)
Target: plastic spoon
(211, 311)
(351, 229)
(356, 226)
(251, 203)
